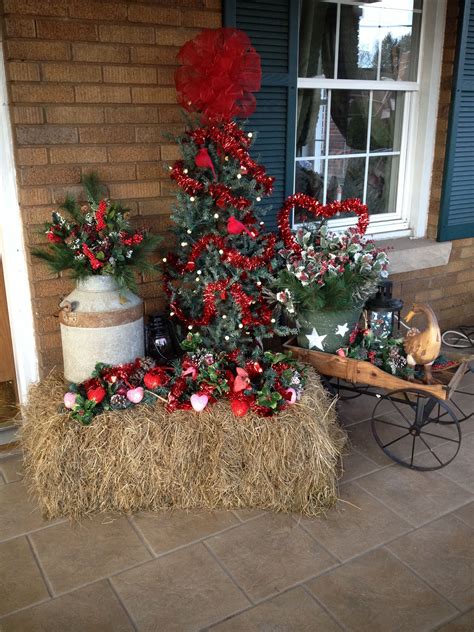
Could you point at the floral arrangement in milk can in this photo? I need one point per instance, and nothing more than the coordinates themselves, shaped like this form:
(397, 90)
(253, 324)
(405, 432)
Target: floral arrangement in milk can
(96, 238)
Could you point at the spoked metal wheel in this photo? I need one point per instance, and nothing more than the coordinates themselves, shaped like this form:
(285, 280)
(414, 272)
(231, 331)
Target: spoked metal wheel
(416, 429)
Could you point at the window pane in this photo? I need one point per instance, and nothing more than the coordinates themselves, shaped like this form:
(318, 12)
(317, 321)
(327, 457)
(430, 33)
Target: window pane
(387, 121)
(317, 39)
(309, 178)
(349, 117)
(382, 184)
(378, 43)
(311, 131)
(345, 178)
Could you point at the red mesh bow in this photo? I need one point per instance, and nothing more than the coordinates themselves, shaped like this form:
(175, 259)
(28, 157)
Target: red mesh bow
(219, 71)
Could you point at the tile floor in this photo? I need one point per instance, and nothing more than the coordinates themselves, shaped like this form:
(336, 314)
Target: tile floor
(396, 553)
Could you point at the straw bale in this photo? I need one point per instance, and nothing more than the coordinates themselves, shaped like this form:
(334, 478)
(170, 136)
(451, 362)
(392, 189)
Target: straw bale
(144, 458)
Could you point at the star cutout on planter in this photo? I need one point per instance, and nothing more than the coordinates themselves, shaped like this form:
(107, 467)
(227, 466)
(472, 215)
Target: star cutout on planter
(315, 340)
(342, 330)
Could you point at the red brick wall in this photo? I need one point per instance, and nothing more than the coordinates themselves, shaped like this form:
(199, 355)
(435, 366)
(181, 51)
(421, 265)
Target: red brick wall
(91, 88)
(449, 289)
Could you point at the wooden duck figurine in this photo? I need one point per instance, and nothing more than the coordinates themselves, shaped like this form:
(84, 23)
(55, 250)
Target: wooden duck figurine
(422, 347)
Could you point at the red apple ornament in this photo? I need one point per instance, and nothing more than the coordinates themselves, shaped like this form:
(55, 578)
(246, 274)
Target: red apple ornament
(96, 394)
(240, 408)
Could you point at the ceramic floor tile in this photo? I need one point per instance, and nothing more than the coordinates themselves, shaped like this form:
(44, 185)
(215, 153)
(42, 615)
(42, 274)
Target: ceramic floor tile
(362, 440)
(18, 513)
(461, 469)
(377, 592)
(269, 554)
(21, 583)
(247, 514)
(356, 465)
(12, 468)
(466, 514)
(94, 608)
(463, 623)
(73, 555)
(294, 610)
(355, 410)
(418, 497)
(185, 590)
(443, 554)
(358, 523)
(170, 529)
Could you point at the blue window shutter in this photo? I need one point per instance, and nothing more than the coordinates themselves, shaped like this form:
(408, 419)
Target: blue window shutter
(457, 200)
(272, 26)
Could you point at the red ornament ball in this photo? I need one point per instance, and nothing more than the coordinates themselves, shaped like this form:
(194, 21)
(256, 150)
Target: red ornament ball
(190, 266)
(96, 394)
(154, 378)
(240, 408)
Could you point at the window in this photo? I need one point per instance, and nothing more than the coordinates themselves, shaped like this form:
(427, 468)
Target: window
(357, 75)
(349, 101)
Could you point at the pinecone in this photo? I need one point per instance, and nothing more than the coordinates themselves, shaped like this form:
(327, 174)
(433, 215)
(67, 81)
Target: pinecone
(118, 401)
(137, 376)
(147, 363)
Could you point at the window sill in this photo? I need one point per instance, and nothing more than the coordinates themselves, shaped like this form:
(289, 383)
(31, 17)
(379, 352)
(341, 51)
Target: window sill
(409, 255)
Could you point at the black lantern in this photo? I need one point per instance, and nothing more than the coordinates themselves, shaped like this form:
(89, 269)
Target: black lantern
(382, 310)
(159, 339)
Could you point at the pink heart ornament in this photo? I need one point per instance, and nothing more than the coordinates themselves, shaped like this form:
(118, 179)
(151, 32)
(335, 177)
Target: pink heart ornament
(135, 395)
(70, 399)
(199, 402)
(293, 395)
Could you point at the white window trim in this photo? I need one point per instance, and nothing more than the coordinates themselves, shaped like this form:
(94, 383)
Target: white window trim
(416, 161)
(12, 250)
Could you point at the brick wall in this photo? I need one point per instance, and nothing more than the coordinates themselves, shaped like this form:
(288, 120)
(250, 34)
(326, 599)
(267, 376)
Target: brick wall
(449, 289)
(91, 88)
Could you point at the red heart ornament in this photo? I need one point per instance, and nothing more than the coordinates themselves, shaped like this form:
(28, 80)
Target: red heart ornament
(351, 205)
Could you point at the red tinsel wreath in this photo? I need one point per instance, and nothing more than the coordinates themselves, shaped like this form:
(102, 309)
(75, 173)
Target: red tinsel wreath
(219, 71)
(314, 207)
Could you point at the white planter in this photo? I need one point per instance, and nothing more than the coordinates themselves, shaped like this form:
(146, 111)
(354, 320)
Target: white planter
(99, 323)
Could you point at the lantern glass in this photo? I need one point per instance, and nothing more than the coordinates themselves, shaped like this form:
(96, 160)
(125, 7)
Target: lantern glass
(382, 310)
(158, 339)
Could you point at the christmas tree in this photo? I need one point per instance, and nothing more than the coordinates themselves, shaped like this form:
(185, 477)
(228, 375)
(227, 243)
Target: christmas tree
(224, 259)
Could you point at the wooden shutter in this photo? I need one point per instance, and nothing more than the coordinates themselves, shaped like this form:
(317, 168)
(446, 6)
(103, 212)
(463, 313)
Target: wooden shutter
(457, 202)
(272, 25)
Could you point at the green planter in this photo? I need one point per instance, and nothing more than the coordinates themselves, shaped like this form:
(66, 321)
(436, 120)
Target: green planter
(328, 331)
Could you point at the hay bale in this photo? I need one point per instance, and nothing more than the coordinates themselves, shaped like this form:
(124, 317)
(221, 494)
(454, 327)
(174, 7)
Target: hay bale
(146, 459)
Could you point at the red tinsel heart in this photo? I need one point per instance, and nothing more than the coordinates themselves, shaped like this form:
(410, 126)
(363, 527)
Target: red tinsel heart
(314, 207)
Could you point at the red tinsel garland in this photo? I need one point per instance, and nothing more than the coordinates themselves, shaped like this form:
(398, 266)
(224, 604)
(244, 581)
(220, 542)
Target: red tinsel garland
(263, 314)
(230, 139)
(314, 207)
(229, 255)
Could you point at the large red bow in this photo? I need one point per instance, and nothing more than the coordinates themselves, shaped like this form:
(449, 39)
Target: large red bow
(219, 71)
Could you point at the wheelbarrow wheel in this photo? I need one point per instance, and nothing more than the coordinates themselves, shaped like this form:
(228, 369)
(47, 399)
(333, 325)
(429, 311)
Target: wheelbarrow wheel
(416, 429)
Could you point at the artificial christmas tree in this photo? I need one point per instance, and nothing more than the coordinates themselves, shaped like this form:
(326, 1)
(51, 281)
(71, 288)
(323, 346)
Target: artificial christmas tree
(224, 259)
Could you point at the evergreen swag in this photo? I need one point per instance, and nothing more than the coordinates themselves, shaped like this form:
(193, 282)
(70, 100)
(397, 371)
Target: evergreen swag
(264, 386)
(97, 239)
